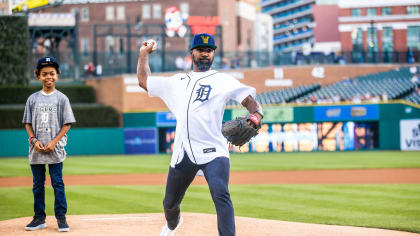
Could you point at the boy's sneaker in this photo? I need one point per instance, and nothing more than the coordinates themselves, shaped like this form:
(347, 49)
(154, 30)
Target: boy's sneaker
(62, 225)
(36, 223)
(170, 232)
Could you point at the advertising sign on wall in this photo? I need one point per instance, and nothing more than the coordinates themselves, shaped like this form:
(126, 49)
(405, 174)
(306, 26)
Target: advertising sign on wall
(165, 119)
(141, 141)
(271, 114)
(322, 136)
(303, 137)
(410, 135)
(340, 113)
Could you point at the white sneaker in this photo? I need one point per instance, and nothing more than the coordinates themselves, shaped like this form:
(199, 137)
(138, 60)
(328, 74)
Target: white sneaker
(168, 232)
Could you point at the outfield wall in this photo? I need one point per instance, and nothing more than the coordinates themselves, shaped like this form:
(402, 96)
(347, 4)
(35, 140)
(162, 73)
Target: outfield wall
(392, 126)
(310, 128)
(81, 141)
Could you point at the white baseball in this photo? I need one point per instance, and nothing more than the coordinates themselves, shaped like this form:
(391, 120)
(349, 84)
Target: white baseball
(150, 41)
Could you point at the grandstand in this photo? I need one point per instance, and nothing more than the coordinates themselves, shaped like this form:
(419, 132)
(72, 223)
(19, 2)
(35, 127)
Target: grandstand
(413, 97)
(282, 96)
(389, 85)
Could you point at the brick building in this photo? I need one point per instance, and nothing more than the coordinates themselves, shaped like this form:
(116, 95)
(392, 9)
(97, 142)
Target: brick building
(387, 28)
(234, 16)
(4, 7)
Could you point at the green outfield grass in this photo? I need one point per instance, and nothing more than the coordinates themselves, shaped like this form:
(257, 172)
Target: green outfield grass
(381, 206)
(89, 165)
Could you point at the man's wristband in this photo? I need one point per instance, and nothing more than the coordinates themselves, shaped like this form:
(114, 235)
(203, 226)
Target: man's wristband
(255, 119)
(259, 111)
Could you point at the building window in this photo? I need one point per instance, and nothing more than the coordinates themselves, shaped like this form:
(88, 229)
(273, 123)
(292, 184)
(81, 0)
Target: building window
(74, 10)
(357, 39)
(386, 11)
(371, 12)
(146, 11)
(110, 44)
(84, 14)
(84, 44)
(138, 20)
(121, 49)
(109, 14)
(356, 12)
(120, 13)
(412, 10)
(185, 9)
(372, 39)
(387, 39)
(413, 37)
(157, 11)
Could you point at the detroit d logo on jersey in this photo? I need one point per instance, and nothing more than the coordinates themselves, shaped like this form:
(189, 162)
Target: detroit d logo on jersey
(203, 93)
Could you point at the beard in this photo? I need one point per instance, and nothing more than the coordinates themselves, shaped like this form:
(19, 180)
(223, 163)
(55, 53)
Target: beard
(203, 64)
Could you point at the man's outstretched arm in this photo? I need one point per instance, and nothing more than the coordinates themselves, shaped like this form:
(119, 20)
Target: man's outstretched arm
(143, 69)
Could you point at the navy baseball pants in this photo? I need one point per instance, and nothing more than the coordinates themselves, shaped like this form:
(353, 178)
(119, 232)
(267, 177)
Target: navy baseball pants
(216, 173)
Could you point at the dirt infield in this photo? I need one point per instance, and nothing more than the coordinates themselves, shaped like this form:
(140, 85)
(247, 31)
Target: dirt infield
(194, 224)
(365, 176)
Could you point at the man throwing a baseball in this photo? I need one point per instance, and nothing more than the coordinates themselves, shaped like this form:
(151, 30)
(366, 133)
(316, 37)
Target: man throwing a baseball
(198, 100)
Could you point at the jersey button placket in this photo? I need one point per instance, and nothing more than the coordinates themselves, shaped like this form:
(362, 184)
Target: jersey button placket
(188, 102)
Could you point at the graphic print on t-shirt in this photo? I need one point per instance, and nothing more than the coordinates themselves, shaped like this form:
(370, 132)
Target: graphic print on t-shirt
(45, 111)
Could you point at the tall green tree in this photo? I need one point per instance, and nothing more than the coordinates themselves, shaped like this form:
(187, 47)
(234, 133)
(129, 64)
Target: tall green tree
(14, 50)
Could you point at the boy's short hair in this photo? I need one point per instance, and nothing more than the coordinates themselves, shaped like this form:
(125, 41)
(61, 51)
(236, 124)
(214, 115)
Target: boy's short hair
(47, 62)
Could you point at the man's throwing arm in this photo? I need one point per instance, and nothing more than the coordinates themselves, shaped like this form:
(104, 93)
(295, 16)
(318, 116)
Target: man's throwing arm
(143, 69)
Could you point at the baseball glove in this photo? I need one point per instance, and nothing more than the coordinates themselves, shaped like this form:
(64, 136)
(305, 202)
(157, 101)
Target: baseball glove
(238, 131)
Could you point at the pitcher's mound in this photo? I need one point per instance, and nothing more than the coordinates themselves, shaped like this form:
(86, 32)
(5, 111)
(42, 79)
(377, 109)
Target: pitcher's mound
(194, 224)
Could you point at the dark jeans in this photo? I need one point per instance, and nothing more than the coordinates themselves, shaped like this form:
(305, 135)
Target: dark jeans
(216, 173)
(56, 174)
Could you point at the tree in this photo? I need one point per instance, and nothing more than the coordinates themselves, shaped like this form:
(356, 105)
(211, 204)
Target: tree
(14, 50)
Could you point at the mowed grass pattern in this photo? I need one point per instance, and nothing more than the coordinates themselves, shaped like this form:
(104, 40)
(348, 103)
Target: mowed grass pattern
(91, 165)
(380, 206)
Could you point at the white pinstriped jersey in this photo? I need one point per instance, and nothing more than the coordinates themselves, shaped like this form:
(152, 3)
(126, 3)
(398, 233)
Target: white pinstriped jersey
(198, 101)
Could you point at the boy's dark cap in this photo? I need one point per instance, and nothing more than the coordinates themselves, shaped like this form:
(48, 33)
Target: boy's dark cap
(47, 61)
(203, 40)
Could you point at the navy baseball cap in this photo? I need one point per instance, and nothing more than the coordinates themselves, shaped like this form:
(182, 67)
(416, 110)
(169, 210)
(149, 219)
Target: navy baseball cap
(203, 40)
(47, 61)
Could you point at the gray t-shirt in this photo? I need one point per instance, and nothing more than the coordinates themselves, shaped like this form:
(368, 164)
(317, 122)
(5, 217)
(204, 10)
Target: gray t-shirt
(47, 114)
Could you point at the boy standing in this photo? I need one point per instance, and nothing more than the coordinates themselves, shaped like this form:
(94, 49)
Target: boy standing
(47, 118)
